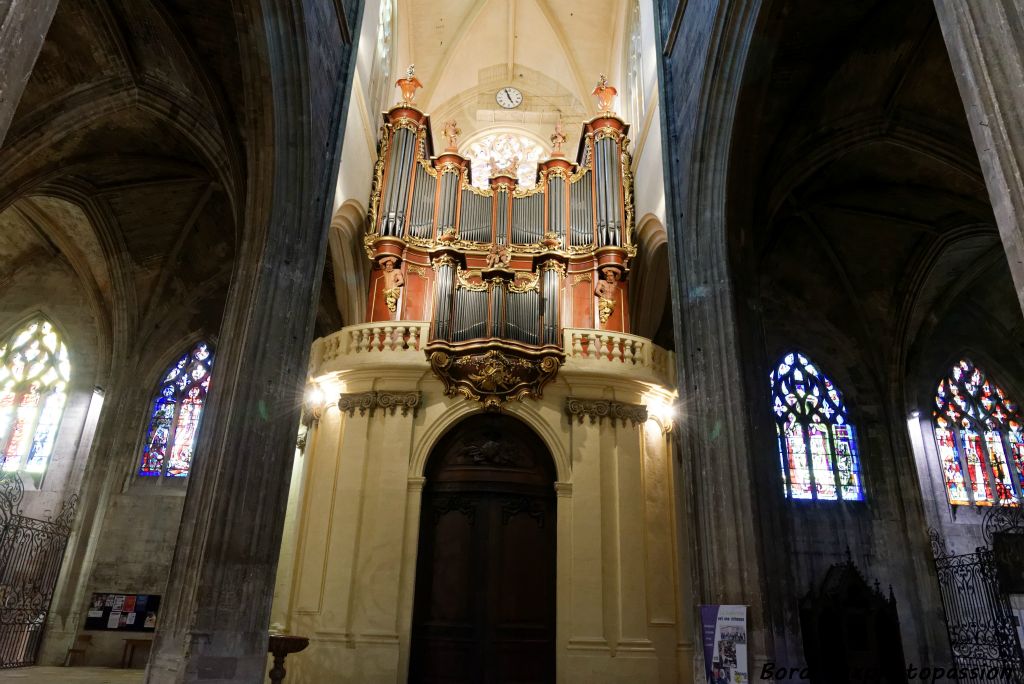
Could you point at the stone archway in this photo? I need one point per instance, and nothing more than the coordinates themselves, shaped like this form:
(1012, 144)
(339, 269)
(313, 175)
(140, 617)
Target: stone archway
(485, 578)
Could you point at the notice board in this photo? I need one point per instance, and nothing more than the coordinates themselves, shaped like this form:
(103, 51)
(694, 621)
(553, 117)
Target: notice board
(123, 612)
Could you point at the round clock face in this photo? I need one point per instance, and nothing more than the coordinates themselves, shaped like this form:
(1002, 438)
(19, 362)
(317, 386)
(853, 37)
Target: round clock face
(509, 97)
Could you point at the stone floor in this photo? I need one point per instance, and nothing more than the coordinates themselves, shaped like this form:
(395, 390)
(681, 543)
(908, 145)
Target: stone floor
(70, 675)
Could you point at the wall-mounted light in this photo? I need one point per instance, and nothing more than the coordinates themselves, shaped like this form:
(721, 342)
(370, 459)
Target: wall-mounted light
(313, 403)
(661, 411)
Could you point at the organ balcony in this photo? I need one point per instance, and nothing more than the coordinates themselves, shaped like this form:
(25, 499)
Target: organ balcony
(499, 271)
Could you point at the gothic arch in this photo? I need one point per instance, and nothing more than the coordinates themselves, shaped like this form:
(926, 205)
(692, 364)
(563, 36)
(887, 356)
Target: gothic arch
(649, 289)
(350, 265)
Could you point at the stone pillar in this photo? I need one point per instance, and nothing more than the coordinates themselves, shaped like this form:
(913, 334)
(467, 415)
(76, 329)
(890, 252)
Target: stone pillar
(705, 46)
(985, 40)
(297, 69)
(23, 27)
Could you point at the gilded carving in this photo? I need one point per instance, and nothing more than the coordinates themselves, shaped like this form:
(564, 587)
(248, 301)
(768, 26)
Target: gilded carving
(378, 177)
(626, 162)
(524, 282)
(428, 167)
(443, 260)
(394, 281)
(599, 409)
(464, 280)
(606, 292)
(369, 402)
(552, 265)
(582, 278)
(493, 376)
(499, 256)
(416, 270)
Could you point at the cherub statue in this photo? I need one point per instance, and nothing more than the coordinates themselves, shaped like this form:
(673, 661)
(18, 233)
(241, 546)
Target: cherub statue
(498, 256)
(557, 140)
(451, 133)
(607, 291)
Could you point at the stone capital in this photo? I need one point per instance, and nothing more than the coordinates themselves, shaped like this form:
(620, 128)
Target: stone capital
(599, 409)
(373, 400)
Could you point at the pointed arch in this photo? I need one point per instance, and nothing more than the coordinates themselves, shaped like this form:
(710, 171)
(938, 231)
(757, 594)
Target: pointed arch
(35, 370)
(817, 442)
(176, 415)
(980, 439)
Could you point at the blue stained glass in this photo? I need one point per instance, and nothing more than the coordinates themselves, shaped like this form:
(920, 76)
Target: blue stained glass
(176, 416)
(817, 447)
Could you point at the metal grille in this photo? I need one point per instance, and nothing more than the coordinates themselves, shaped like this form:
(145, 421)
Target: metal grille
(979, 621)
(31, 552)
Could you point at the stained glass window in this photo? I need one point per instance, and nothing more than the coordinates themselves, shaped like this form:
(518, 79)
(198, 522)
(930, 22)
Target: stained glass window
(634, 67)
(33, 390)
(177, 411)
(817, 444)
(505, 153)
(979, 437)
(380, 77)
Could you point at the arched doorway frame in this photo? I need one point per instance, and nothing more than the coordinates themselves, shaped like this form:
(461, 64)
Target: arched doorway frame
(558, 447)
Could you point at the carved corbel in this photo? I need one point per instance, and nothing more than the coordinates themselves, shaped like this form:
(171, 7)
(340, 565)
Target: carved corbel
(371, 401)
(599, 409)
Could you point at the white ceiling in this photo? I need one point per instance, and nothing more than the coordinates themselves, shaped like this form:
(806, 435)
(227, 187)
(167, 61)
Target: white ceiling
(551, 50)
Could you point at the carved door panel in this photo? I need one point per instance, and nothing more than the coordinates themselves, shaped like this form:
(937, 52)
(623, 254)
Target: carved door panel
(485, 582)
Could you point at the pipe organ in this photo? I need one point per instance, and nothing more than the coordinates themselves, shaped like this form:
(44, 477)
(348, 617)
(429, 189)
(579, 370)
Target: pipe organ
(499, 271)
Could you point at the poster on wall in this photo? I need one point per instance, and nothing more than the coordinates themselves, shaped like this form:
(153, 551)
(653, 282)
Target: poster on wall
(123, 612)
(724, 631)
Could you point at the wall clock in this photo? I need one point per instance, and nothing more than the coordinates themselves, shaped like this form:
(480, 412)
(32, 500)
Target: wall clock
(509, 97)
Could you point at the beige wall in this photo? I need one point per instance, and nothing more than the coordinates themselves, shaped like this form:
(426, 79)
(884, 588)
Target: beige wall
(355, 524)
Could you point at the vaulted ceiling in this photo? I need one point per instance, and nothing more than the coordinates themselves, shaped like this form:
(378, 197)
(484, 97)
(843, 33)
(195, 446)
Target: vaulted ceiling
(857, 195)
(124, 160)
(551, 50)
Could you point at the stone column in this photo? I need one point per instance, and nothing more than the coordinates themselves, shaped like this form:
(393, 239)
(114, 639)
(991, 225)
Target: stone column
(23, 27)
(985, 40)
(705, 47)
(296, 73)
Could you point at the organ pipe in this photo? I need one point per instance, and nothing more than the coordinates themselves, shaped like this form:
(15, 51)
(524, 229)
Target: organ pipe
(545, 251)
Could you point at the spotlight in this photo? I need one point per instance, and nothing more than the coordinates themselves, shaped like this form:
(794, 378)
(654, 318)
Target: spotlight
(661, 411)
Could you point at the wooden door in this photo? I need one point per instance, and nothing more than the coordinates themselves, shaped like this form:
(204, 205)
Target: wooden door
(485, 579)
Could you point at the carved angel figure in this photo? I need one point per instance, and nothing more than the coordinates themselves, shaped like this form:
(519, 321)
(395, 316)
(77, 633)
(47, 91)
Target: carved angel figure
(606, 292)
(451, 132)
(498, 256)
(393, 282)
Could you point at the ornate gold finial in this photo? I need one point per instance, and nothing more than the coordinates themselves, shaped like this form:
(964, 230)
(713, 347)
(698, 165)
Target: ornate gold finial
(451, 133)
(409, 85)
(604, 93)
(557, 140)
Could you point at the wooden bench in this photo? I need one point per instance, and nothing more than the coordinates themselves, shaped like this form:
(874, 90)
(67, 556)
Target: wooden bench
(82, 642)
(128, 654)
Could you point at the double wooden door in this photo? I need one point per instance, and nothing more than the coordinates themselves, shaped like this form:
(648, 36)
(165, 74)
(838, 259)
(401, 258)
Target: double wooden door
(485, 581)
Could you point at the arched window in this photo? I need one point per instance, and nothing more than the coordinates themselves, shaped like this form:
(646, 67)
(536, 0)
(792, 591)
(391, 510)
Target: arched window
(635, 67)
(817, 443)
(380, 75)
(976, 426)
(33, 389)
(177, 410)
(505, 153)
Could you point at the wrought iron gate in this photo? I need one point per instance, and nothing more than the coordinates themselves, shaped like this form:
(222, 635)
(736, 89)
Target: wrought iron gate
(979, 621)
(31, 552)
